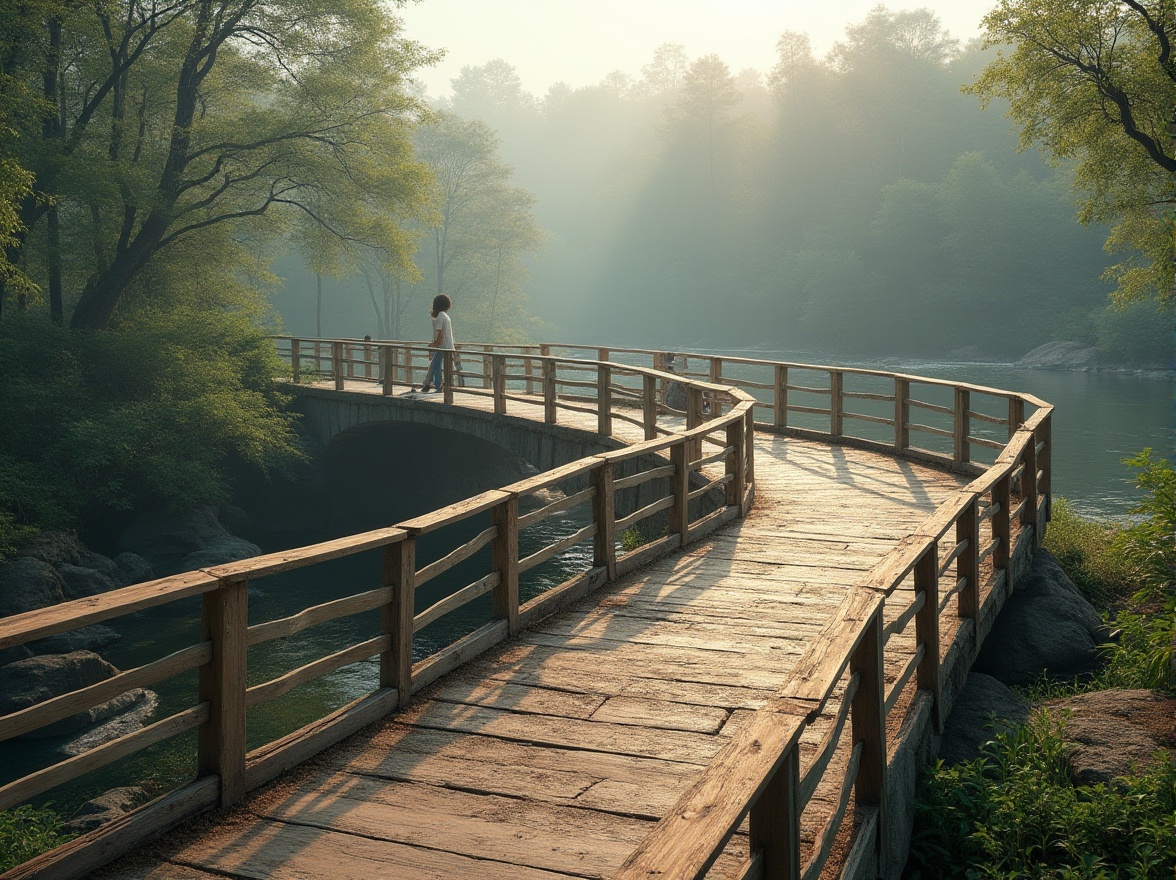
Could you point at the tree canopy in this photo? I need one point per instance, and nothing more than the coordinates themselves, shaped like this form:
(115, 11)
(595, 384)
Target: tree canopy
(1093, 82)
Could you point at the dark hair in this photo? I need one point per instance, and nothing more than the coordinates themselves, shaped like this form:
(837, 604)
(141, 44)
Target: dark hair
(441, 303)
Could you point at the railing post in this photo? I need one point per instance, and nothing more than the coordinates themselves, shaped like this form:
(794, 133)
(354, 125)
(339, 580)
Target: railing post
(447, 381)
(869, 724)
(604, 400)
(396, 617)
(1045, 466)
(505, 559)
(775, 821)
(749, 448)
(927, 630)
(337, 364)
(387, 370)
(296, 359)
(348, 360)
(780, 404)
(902, 414)
(1016, 415)
(224, 621)
(680, 489)
(408, 367)
(1001, 530)
(604, 512)
(549, 413)
(367, 361)
(836, 402)
(498, 378)
(736, 462)
(1029, 490)
(487, 374)
(968, 562)
(529, 372)
(962, 424)
(716, 370)
(602, 354)
(649, 406)
(318, 357)
(694, 418)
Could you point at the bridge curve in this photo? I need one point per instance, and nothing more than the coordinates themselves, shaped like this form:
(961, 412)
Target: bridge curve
(787, 667)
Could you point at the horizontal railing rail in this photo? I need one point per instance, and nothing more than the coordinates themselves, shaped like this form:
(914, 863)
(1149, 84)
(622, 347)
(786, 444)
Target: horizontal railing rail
(881, 653)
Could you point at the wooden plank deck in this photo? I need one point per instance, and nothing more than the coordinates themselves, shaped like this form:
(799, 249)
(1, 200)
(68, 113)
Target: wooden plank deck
(554, 754)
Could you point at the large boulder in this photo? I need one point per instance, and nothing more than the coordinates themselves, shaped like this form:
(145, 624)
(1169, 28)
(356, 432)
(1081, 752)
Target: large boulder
(133, 569)
(1060, 356)
(31, 681)
(1046, 627)
(88, 638)
(225, 549)
(983, 709)
(106, 808)
(28, 583)
(55, 548)
(81, 582)
(1110, 733)
(173, 535)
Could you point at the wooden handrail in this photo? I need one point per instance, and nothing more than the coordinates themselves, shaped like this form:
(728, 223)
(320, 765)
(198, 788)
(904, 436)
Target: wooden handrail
(758, 773)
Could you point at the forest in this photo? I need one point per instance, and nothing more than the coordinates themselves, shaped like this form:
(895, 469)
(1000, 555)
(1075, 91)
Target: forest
(859, 204)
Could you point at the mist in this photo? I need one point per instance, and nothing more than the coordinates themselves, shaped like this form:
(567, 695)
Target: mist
(854, 203)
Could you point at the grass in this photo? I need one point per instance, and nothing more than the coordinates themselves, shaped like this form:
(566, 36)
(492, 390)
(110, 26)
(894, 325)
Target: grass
(1014, 812)
(1092, 554)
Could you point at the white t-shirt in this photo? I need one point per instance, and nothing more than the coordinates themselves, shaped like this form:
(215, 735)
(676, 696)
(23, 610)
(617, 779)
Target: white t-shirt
(442, 323)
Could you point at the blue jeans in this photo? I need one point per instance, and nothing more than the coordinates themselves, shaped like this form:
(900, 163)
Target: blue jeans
(433, 374)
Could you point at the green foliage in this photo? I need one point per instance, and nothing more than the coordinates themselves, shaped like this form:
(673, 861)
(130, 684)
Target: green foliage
(632, 538)
(1089, 81)
(149, 413)
(1151, 543)
(1090, 552)
(26, 832)
(1014, 812)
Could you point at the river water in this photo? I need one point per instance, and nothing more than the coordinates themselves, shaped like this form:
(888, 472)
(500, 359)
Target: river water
(1100, 418)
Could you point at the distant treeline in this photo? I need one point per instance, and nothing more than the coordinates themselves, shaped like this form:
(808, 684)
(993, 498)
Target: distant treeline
(858, 203)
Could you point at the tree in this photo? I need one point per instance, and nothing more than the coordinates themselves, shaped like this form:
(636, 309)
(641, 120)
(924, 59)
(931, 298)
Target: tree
(484, 224)
(165, 120)
(664, 74)
(1093, 82)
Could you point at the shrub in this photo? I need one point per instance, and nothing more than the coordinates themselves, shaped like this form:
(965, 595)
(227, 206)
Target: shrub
(1014, 812)
(26, 832)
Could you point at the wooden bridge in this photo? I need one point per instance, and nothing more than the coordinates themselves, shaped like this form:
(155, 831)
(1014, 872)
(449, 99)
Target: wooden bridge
(745, 690)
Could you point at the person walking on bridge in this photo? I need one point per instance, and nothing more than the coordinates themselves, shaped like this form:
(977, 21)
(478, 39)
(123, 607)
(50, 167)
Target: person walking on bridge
(442, 341)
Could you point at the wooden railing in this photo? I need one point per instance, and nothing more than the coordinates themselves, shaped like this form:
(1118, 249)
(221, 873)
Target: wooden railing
(698, 472)
(868, 667)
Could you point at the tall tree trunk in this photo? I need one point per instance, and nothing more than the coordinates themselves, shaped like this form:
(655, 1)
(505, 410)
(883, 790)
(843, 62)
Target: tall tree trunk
(318, 312)
(56, 308)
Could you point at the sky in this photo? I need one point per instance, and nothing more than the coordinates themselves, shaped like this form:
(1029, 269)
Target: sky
(581, 41)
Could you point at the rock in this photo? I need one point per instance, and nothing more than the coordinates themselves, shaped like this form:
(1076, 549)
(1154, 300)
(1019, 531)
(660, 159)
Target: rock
(28, 583)
(218, 552)
(984, 708)
(676, 395)
(55, 548)
(81, 582)
(1060, 356)
(106, 808)
(131, 712)
(16, 652)
(234, 519)
(1110, 732)
(26, 682)
(1046, 626)
(165, 539)
(968, 354)
(88, 638)
(98, 562)
(133, 569)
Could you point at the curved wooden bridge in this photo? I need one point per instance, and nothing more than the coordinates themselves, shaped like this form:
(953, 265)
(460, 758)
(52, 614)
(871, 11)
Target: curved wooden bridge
(741, 687)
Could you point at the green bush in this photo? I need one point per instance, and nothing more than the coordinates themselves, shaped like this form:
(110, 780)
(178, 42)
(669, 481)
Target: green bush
(1014, 812)
(26, 832)
(1090, 552)
(1150, 544)
(150, 413)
